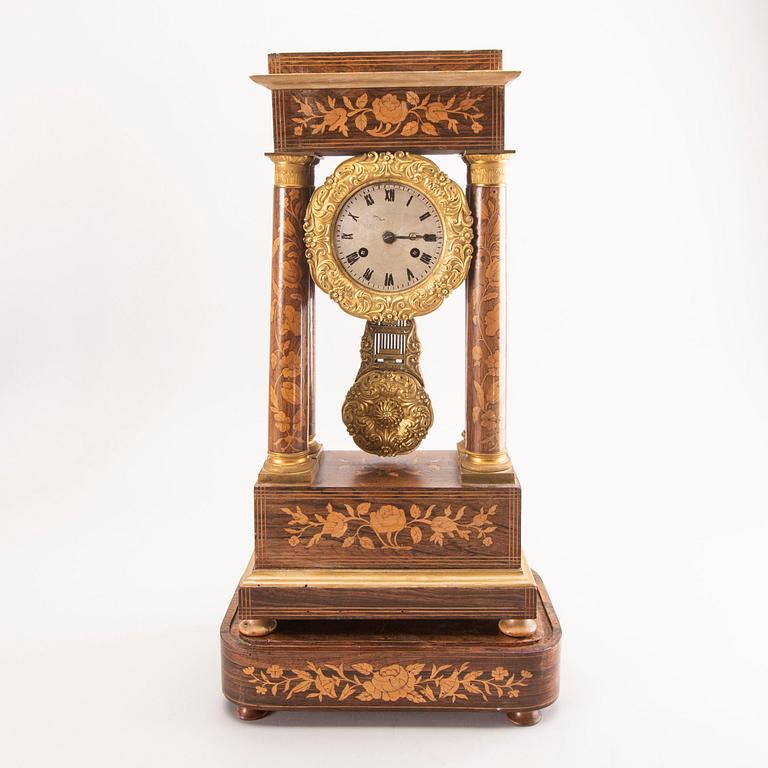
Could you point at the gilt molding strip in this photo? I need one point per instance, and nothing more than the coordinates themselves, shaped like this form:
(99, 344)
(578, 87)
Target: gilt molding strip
(425, 79)
(337, 578)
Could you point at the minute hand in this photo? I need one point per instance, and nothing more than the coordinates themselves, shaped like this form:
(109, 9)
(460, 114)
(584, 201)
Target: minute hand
(390, 237)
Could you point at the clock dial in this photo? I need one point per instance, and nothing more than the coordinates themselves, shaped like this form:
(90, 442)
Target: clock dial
(388, 236)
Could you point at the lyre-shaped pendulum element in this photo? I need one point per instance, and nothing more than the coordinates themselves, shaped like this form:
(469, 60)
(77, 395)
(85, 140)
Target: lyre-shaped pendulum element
(387, 410)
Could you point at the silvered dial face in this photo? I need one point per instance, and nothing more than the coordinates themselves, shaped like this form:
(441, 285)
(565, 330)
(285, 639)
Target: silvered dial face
(388, 236)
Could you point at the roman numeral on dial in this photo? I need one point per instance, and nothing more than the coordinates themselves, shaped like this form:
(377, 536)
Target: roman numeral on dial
(355, 255)
(397, 222)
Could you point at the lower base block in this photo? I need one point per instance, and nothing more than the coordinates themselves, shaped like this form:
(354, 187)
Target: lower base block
(400, 664)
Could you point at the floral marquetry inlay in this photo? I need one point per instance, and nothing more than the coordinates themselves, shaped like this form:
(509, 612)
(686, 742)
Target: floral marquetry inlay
(485, 372)
(417, 683)
(388, 526)
(289, 325)
(404, 113)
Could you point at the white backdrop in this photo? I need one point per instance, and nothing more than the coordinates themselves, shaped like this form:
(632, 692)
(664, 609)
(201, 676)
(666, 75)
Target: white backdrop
(134, 242)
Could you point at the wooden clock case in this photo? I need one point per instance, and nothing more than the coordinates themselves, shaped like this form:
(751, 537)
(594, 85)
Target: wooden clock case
(388, 583)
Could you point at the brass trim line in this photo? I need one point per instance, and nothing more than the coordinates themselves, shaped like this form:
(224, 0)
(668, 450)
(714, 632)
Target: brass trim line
(358, 578)
(294, 171)
(287, 460)
(316, 80)
(485, 170)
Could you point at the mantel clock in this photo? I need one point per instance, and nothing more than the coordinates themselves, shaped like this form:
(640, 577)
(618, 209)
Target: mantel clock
(388, 577)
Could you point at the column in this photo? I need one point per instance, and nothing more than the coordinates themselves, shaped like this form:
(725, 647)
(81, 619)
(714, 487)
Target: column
(291, 354)
(483, 452)
(314, 446)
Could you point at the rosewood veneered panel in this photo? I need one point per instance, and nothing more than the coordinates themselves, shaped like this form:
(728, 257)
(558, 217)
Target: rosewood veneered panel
(366, 512)
(346, 121)
(385, 602)
(384, 61)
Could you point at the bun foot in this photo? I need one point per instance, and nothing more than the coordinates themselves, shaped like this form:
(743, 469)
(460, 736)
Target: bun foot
(257, 627)
(530, 717)
(518, 627)
(251, 713)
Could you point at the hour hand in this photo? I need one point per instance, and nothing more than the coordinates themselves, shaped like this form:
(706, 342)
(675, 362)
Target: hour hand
(390, 237)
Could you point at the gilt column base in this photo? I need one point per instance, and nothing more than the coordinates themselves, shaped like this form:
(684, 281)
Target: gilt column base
(290, 468)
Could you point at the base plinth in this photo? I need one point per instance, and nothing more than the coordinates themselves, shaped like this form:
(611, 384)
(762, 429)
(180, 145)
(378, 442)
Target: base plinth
(397, 664)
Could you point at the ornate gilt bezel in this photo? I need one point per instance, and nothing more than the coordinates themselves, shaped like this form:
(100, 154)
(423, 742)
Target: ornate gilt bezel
(421, 174)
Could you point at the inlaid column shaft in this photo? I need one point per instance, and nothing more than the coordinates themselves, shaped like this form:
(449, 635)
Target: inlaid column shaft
(314, 446)
(291, 395)
(484, 449)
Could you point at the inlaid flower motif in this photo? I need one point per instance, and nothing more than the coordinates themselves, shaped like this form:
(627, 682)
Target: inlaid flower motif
(281, 421)
(325, 685)
(290, 365)
(491, 322)
(488, 419)
(436, 112)
(390, 683)
(499, 673)
(443, 524)
(389, 109)
(388, 519)
(335, 119)
(291, 321)
(335, 525)
(449, 685)
(291, 273)
(274, 670)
